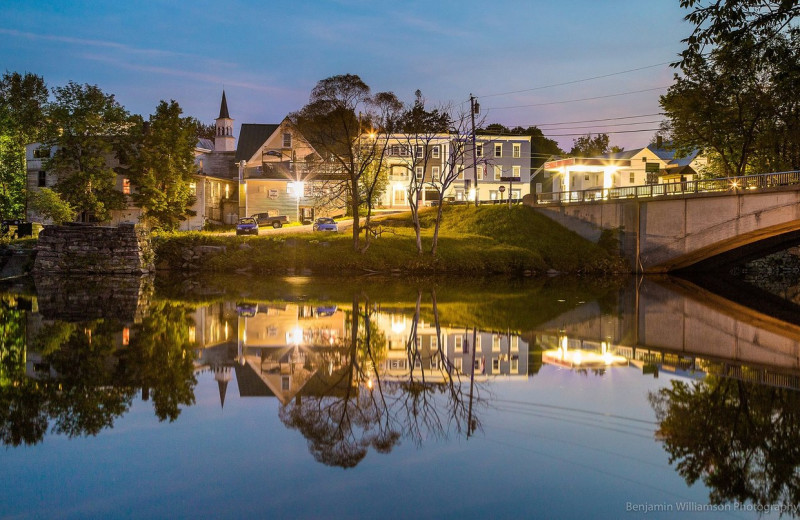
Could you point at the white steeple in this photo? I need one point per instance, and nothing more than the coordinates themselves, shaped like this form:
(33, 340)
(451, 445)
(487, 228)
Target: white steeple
(223, 138)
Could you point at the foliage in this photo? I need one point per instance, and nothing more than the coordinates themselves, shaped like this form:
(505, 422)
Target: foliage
(162, 166)
(205, 131)
(87, 127)
(339, 112)
(741, 439)
(48, 204)
(22, 98)
(588, 146)
(737, 23)
(739, 107)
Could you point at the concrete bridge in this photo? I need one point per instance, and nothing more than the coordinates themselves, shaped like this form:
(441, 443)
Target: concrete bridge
(697, 224)
(674, 323)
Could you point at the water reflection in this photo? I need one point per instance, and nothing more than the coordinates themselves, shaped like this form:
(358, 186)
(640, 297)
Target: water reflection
(367, 366)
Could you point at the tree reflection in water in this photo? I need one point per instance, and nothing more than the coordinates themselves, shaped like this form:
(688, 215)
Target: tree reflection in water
(85, 375)
(742, 439)
(366, 406)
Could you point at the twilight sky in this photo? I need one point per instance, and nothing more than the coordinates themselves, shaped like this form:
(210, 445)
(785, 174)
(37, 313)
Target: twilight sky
(268, 55)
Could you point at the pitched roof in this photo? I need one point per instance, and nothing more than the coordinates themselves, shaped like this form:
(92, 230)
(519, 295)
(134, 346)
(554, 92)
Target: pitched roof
(205, 144)
(251, 137)
(223, 108)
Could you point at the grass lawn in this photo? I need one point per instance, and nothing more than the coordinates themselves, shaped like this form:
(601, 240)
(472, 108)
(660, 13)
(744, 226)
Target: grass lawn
(484, 240)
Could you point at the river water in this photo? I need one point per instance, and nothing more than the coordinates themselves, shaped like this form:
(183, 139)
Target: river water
(294, 397)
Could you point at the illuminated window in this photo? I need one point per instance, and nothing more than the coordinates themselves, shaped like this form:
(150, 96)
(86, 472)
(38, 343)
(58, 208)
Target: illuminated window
(514, 343)
(126, 336)
(633, 178)
(516, 171)
(126, 186)
(517, 151)
(495, 342)
(435, 174)
(460, 169)
(498, 172)
(515, 365)
(192, 334)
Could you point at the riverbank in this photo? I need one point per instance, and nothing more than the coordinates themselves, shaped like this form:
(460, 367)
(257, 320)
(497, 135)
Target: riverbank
(472, 241)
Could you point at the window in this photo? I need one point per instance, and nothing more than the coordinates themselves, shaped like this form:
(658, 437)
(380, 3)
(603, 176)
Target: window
(42, 179)
(498, 172)
(418, 151)
(419, 172)
(494, 194)
(459, 364)
(399, 197)
(285, 383)
(633, 178)
(459, 345)
(126, 186)
(515, 171)
(41, 153)
(126, 336)
(515, 365)
(517, 150)
(287, 140)
(516, 194)
(586, 177)
(193, 188)
(514, 343)
(477, 342)
(496, 342)
(227, 191)
(435, 152)
(434, 342)
(498, 150)
(495, 365)
(435, 174)
(479, 150)
(460, 169)
(481, 172)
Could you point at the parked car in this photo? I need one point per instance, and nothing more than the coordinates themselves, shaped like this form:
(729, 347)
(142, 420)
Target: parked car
(269, 219)
(247, 226)
(325, 224)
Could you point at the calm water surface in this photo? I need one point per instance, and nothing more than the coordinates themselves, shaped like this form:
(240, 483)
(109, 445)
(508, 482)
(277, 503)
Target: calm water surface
(353, 398)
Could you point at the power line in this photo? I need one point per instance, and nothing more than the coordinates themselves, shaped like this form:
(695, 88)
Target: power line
(581, 99)
(612, 132)
(576, 81)
(598, 120)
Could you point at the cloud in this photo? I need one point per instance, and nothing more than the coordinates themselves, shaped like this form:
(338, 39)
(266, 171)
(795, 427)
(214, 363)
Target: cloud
(194, 76)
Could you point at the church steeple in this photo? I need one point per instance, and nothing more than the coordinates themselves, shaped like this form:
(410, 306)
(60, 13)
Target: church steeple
(223, 139)
(223, 108)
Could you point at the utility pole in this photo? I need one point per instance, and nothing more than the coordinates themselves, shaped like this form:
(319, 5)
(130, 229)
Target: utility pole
(474, 108)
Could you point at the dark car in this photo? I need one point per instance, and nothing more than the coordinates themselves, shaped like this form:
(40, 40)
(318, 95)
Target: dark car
(325, 224)
(270, 219)
(247, 226)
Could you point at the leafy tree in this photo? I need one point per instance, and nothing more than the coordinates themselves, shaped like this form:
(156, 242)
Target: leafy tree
(49, 205)
(339, 113)
(205, 131)
(739, 108)
(87, 127)
(741, 439)
(163, 166)
(739, 23)
(22, 98)
(588, 146)
(541, 147)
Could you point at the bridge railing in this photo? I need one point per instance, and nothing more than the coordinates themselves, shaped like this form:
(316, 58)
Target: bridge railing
(721, 184)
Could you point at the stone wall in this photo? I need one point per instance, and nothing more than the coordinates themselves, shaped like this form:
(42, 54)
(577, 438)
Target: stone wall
(88, 249)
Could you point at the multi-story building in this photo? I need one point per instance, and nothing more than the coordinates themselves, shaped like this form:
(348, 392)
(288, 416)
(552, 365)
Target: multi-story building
(443, 165)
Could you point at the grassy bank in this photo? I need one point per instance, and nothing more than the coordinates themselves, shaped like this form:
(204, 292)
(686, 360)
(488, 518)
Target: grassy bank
(485, 240)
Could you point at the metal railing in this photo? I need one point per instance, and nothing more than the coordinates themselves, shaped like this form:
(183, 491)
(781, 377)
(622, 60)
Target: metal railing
(716, 185)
